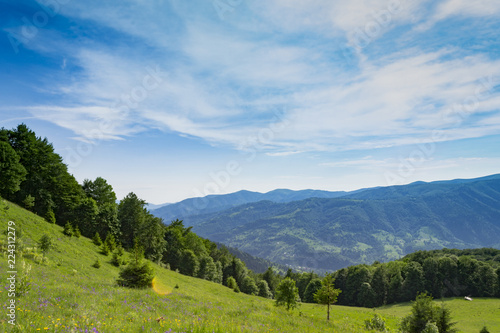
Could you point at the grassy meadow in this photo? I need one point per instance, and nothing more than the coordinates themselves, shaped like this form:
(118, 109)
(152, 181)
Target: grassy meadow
(69, 295)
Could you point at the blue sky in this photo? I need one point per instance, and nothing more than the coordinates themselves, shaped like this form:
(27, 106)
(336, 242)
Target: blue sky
(173, 99)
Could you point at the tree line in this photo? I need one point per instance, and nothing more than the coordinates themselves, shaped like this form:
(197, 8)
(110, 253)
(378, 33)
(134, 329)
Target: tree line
(35, 177)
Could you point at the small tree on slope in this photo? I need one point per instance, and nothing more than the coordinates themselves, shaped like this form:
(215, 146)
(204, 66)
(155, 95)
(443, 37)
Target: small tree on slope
(327, 294)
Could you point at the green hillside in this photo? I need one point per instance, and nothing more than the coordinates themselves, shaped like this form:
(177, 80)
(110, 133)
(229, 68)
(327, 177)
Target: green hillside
(69, 295)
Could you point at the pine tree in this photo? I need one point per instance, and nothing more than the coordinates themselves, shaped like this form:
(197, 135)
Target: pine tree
(443, 320)
(68, 229)
(97, 263)
(138, 273)
(97, 239)
(45, 244)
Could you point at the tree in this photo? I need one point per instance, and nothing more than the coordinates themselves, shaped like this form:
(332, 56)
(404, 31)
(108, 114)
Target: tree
(380, 285)
(287, 294)
(45, 244)
(29, 202)
(207, 268)
(413, 283)
(312, 287)
(443, 320)
(76, 232)
(422, 312)
(231, 283)
(97, 239)
(366, 296)
(272, 279)
(248, 286)
(50, 216)
(395, 285)
(189, 264)
(138, 273)
(264, 290)
(131, 216)
(327, 294)
(68, 229)
(12, 172)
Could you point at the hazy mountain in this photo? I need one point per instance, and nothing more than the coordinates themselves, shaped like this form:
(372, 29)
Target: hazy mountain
(374, 224)
(215, 203)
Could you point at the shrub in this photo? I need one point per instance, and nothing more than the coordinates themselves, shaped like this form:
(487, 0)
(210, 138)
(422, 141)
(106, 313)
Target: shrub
(68, 229)
(136, 275)
(96, 264)
(377, 323)
(76, 232)
(231, 283)
(105, 249)
(484, 330)
(50, 217)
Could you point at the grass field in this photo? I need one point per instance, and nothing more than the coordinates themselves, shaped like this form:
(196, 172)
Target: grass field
(69, 295)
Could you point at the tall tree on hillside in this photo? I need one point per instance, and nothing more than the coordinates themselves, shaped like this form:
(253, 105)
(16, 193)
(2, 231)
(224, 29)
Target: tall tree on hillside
(327, 294)
(272, 279)
(132, 218)
(105, 198)
(152, 235)
(432, 283)
(85, 216)
(12, 173)
(47, 179)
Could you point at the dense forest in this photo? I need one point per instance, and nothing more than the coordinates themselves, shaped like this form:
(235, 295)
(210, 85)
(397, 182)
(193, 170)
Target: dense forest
(35, 177)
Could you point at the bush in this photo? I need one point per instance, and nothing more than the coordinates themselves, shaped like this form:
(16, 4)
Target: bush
(68, 229)
(50, 217)
(231, 283)
(377, 323)
(76, 232)
(484, 330)
(97, 264)
(105, 249)
(136, 275)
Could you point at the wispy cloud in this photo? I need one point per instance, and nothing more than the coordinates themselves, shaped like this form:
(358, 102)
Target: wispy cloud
(224, 85)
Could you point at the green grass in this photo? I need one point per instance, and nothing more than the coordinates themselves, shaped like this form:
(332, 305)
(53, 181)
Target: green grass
(68, 295)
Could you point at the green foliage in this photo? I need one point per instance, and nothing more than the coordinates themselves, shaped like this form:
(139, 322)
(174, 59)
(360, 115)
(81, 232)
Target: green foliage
(377, 323)
(232, 284)
(248, 286)
(484, 330)
(190, 263)
(430, 328)
(97, 263)
(287, 294)
(110, 242)
(426, 317)
(328, 293)
(105, 249)
(76, 232)
(45, 243)
(29, 202)
(12, 173)
(50, 216)
(117, 258)
(264, 290)
(312, 287)
(68, 229)
(443, 320)
(97, 239)
(23, 282)
(136, 275)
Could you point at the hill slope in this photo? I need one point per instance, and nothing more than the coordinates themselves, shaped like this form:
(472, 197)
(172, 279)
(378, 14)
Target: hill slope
(67, 294)
(377, 224)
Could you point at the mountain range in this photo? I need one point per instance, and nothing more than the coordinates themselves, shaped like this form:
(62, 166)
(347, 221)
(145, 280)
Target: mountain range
(321, 230)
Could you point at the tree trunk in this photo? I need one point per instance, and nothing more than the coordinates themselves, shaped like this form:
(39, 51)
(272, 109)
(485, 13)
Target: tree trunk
(328, 312)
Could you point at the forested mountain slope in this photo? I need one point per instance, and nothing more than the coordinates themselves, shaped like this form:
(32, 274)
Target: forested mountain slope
(378, 224)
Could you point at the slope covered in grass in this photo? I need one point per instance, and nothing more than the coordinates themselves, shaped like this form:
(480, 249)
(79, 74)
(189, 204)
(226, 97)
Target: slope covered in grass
(69, 295)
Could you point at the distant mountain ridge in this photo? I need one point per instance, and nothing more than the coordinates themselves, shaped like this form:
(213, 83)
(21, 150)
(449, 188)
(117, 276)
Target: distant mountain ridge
(214, 203)
(381, 223)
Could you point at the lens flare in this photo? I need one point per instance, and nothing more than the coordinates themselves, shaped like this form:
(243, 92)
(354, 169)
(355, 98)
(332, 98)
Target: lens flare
(160, 288)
